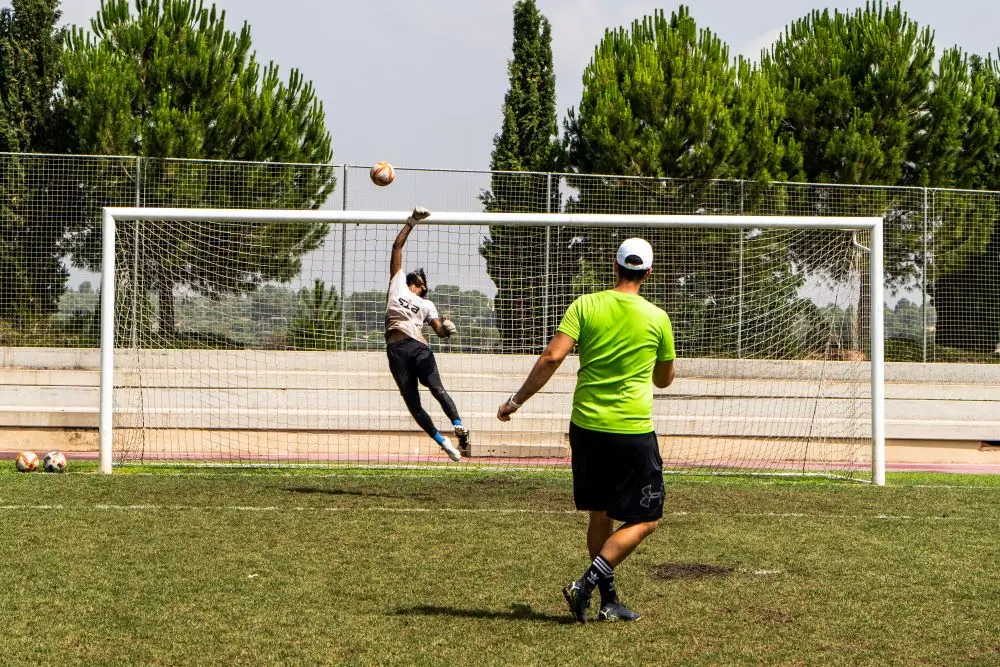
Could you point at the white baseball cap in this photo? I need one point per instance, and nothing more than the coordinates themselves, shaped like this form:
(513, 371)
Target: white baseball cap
(632, 249)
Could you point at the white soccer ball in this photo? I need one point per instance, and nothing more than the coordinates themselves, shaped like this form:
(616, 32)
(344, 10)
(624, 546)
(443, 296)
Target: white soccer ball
(382, 173)
(26, 462)
(54, 462)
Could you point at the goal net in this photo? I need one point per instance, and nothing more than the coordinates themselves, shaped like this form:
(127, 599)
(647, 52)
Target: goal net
(257, 337)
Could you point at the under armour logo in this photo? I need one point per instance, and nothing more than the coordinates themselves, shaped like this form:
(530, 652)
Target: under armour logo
(648, 495)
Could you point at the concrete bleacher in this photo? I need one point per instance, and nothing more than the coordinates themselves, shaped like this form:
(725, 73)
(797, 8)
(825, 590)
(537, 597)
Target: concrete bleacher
(49, 399)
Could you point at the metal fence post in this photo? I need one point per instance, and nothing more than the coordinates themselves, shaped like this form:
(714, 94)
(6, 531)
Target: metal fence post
(343, 266)
(739, 294)
(547, 280)
(135, 255)
(923, 287)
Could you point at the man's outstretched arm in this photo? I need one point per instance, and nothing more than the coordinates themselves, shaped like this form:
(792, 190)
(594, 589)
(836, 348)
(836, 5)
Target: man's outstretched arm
(396, 258)
(547, 363)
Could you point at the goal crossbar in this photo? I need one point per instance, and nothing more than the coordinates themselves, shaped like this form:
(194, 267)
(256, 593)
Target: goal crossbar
(112, 215)
(481, 218)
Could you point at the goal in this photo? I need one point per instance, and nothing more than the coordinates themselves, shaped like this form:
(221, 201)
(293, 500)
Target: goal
(255, 337)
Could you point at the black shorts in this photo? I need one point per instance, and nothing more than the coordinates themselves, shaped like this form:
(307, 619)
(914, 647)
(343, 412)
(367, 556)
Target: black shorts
(411, 361)
(617, 473)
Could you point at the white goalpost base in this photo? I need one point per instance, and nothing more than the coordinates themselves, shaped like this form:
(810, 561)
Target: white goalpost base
(773, 384)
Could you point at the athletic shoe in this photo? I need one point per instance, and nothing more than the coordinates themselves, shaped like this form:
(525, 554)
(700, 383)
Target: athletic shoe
(616, 611)
(450, 450)
(464, 439)
(578, 600)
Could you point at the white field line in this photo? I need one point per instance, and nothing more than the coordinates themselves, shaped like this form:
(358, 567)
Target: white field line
(103, 507)
(439, 472)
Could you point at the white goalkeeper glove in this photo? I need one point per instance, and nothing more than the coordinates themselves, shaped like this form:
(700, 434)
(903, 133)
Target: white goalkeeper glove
(449, 327)
(419, 213)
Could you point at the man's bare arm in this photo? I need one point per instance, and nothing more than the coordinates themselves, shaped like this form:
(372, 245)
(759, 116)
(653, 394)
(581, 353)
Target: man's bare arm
(663, 373)
(444, 328)
(547, 364)
(396, 258)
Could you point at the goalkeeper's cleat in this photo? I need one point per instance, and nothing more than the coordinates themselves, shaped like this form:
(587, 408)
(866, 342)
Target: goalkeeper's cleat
(578, 600)
(464, 439)
(616, 611)
(450, 450)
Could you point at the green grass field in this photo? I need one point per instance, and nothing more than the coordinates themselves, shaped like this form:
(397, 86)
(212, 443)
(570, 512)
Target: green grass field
(455, 569)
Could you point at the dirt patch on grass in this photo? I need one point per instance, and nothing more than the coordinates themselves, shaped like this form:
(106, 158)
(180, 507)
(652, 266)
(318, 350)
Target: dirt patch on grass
(671, 571)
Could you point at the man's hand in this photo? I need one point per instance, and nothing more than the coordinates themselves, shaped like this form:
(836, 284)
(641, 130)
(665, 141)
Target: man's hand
(506, 409)
(419, 213)
(449, 327)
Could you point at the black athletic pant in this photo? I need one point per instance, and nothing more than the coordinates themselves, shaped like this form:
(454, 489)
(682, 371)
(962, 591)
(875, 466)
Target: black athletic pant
(411, 361)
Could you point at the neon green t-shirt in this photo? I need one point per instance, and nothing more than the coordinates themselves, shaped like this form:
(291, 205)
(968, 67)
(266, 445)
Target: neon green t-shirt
(620, 338)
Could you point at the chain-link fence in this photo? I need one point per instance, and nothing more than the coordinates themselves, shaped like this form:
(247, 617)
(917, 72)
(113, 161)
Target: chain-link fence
(942, 254)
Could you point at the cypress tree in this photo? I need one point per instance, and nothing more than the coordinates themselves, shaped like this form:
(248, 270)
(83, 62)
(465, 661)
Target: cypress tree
(527, 142)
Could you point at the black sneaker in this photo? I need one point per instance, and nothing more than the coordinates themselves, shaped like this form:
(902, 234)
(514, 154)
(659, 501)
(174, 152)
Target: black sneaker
(578, 600)
(464, 440)
(616, 611)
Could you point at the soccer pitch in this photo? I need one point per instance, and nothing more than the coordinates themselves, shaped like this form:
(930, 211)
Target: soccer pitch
(401, 568)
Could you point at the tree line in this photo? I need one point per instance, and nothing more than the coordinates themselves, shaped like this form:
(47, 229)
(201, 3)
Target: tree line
(167, 79)
(845, 98)
(276, 317)
(860, 98)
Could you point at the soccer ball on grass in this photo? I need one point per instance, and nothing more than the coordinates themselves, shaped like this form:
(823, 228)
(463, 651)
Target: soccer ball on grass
(54, 462)
(26, 462)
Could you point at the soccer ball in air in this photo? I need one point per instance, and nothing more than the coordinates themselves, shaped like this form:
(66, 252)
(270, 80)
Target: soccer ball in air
(26, 462)
(54, 462)
(382, 173)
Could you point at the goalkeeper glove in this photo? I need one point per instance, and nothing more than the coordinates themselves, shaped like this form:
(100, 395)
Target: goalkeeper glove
(419, 213)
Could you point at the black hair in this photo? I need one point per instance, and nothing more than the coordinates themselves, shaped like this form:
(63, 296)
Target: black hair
(632, 275)
(418, 278)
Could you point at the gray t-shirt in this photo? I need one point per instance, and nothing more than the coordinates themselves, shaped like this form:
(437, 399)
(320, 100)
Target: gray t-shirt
(406, 311)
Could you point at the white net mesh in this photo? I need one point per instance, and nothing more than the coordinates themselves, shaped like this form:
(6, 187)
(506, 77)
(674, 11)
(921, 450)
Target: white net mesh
(942, 268)
(262, 343)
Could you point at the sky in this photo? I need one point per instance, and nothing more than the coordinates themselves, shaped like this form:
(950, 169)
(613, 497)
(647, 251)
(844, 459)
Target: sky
(420, 83)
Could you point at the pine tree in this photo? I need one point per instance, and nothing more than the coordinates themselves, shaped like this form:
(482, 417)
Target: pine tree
(665, 99)
(866, 106)
(171, 81)
(527, 142)
(30, 71)
(967, 297)
(32, 276)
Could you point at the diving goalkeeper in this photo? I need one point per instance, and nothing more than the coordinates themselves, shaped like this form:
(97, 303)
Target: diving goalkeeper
(410, 357)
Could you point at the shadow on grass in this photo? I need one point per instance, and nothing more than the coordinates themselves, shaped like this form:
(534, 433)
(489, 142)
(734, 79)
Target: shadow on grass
(518, 612)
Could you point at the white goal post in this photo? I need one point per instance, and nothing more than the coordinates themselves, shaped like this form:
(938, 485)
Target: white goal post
(710, 395)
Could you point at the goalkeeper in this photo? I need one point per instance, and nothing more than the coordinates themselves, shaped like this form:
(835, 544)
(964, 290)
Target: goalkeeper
(624, 342)
(410, 358)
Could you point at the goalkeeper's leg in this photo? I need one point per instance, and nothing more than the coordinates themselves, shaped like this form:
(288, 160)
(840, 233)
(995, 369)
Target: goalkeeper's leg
(403, 372)
(431, 378)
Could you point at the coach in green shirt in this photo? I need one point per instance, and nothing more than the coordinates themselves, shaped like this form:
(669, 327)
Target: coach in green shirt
(624, 343)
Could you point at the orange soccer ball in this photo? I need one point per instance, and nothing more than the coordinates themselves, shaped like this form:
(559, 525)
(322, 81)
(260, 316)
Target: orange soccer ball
(382, 173)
